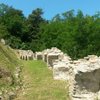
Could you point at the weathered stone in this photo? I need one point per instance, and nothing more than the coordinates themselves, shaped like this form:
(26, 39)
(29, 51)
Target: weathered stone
(45, 53)
(12, 95)
(1, 98)
(25, 54)
(53, 55)
(62, 71)
(3, 41)
(85, 81)
(39, 55)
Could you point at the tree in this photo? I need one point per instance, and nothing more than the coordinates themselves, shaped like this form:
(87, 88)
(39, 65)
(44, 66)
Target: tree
(34, 21)
(56, 18)
(13, 20)
(68, 15)
(3, 9)
(3, 31)
(80, 14)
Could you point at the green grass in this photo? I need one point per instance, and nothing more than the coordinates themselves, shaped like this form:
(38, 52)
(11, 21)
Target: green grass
(8, 58)
(8, 63)
(39, 84)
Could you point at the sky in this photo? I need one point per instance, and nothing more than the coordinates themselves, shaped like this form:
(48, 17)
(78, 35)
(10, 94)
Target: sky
(53, 7)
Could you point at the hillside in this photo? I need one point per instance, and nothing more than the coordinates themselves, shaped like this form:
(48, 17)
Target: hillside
(9, 72)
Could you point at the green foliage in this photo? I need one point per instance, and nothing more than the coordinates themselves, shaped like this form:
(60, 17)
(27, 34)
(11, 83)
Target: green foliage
(75, 34)
(34, 20)
(3, 31)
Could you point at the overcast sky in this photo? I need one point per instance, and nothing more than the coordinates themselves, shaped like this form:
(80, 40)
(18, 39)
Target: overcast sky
(53, 7)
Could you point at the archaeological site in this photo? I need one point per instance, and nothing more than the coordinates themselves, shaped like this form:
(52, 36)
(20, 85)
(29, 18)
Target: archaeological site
(49, 49)
(83, 75)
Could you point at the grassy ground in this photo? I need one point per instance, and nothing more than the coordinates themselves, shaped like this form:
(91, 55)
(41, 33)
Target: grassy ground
(8, 64)
(39, 83)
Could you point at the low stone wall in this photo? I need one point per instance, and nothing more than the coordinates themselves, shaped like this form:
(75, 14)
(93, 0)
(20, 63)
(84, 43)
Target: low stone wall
(45, 53)
(52, 55)
(51, 58)
(61, 71)
(83, 76)
(25, 54)
(38, 56)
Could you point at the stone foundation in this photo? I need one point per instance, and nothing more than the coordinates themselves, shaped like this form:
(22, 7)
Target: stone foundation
(85, 81)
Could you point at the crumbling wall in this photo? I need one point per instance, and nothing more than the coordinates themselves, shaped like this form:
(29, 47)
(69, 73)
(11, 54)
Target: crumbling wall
(85, 82)
(53, 54)
(25, 54)
(39, 55)
(51, 58)
(62, 71)
(45, 53)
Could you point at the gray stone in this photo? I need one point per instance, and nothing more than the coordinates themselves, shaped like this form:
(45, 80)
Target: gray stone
(54, 54)
(25, 54)
(45, 53)
(62, 71)
(39, 56)
(85, 81)
(3, 41)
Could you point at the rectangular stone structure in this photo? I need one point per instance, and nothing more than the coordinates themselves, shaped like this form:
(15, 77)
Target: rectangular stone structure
(85, 81)
(39, 56)
(51, 58)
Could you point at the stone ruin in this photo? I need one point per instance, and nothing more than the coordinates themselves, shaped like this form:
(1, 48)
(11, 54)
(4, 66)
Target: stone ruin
(85, 81)
(25, 54)
(45, 53)
(53, 54)
(38, 56)
(3, 41)
(49, 55)
(83, 75)
(62, 69)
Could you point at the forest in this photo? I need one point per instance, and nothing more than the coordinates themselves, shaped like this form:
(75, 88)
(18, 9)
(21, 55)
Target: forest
(76, 34)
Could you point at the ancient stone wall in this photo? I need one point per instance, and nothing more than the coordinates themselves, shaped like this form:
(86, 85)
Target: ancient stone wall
(25, 54)
(85, 83)
(38, 56)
